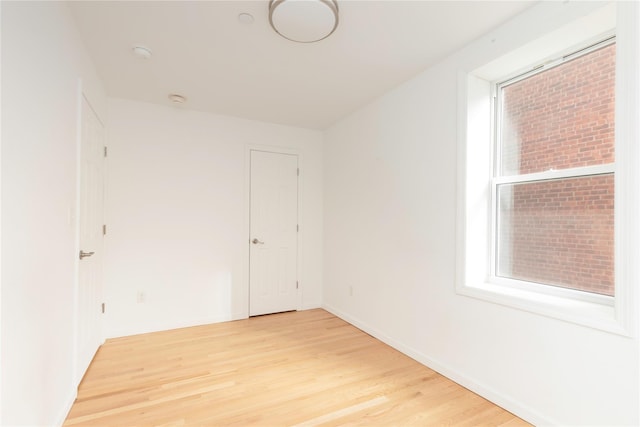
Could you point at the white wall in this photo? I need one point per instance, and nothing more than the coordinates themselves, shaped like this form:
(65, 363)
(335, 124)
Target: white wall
(389, 222)
(42, 59)
(177, 215)
(178, 228)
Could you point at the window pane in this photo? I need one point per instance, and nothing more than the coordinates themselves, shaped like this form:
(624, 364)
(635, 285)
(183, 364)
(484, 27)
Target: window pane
(558, 232)
(560, 118)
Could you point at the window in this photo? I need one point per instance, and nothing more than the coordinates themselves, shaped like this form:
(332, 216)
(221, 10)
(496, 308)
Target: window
(548, 190)
(552, 188)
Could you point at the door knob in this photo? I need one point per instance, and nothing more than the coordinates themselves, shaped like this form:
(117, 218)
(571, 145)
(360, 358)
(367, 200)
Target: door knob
(257, 242)
(84, 254)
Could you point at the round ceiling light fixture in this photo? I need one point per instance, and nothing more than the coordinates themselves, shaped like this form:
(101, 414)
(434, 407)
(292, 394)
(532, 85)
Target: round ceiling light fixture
(304, 21)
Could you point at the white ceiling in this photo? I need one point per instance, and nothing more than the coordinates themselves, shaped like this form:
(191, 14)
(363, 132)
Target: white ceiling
(201, 51)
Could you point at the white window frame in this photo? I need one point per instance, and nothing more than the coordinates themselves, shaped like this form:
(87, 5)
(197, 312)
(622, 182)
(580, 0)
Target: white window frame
(475, 171)
(553, 174)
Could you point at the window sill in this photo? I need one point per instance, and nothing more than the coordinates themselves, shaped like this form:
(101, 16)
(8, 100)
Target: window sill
(589, 314)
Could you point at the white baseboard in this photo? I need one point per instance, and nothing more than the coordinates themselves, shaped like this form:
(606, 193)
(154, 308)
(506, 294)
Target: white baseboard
(310, 306)
(518, 408)
(166, 326)
(66, 408)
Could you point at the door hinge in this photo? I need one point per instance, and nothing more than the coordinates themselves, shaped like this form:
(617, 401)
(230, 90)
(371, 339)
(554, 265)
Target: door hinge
(105, 151)
(297, 228)
(104, 229)
(298, 172)
(102, 308)
(297, 284)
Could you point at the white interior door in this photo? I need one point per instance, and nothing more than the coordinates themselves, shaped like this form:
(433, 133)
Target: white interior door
(273, 238)
(89, 330)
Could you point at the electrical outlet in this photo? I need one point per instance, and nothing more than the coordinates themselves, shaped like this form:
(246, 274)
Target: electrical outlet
(140, 297)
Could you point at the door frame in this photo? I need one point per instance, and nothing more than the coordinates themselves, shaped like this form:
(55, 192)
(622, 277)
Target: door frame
(76, 220)
(247, 220)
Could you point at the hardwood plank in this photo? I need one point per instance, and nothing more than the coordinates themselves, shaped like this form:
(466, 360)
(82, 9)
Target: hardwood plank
(306, 368)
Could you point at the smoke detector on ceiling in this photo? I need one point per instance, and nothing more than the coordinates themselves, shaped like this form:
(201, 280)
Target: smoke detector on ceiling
(142, 52)
(177, 99)
(245, 18)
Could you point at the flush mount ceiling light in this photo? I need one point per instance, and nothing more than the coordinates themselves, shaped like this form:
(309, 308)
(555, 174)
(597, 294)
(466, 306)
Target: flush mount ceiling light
(304, 21)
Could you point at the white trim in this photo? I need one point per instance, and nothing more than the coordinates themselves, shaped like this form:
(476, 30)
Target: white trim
(584, 48)
(311, 305)
(551, 174)
(593, 315)
(168, 326)
(80, 371)
(553, 290)
(76, 225)
(66, 408)
(473, 228)
(518, 408)
(1, 318)
(628, 158)
(474, 142)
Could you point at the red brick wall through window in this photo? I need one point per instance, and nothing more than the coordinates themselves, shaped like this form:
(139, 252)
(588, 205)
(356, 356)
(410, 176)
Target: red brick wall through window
(560, 232)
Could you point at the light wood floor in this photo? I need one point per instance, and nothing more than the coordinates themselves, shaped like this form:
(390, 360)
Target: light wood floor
(303, 368)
